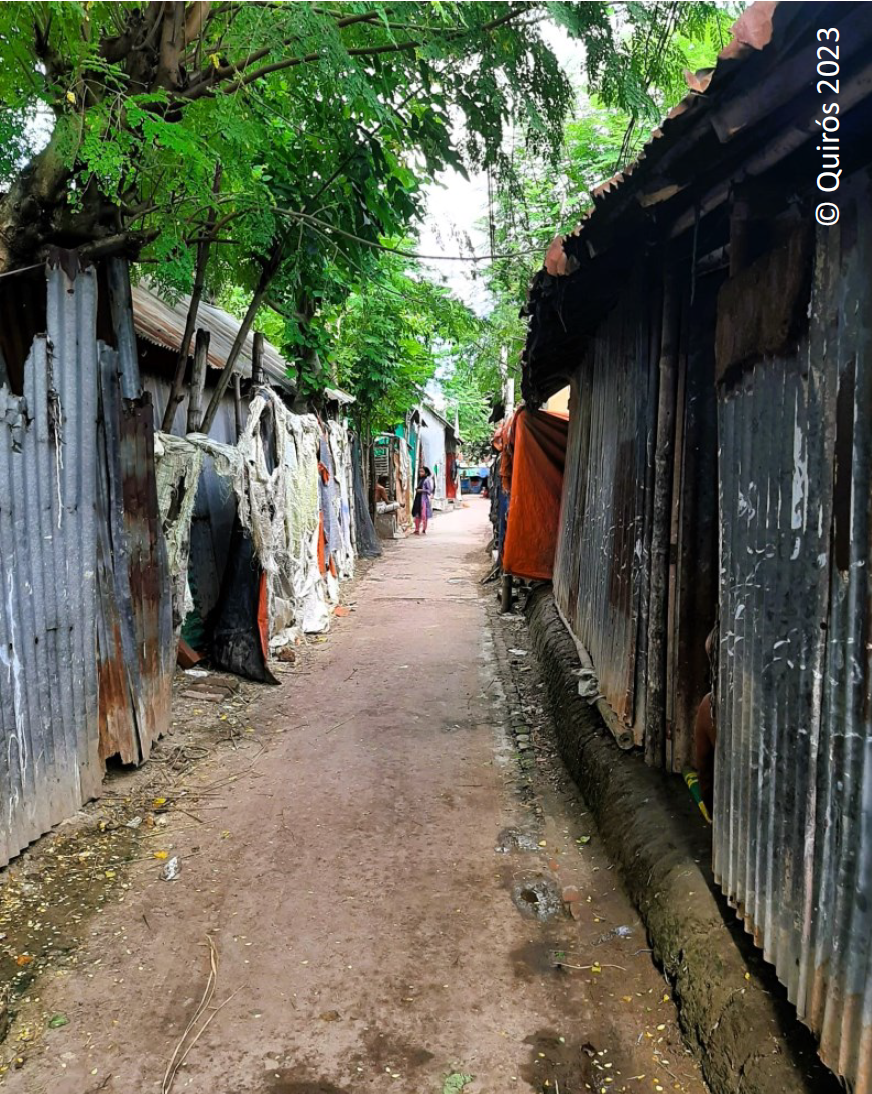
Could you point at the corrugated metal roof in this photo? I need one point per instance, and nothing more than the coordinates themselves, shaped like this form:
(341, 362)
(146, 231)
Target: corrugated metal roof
(163, 323)
(751, 33)
(336, 395)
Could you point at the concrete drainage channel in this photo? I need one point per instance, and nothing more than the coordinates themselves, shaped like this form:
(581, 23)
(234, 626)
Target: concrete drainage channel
(733, 1012)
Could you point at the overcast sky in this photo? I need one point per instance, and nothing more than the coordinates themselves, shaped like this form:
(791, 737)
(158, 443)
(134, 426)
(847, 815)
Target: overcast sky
(457, 206)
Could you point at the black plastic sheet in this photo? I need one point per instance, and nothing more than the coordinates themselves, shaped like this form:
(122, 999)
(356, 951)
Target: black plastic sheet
(237, 642)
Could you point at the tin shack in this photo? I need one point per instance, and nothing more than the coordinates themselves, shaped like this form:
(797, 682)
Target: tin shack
(712, 316)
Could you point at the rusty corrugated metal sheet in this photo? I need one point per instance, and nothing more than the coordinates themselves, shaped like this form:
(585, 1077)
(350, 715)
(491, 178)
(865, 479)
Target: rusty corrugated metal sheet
(164, 324)
(601, 568)
(793, 808)
(136, 632)
(49, 762)
(86, 642)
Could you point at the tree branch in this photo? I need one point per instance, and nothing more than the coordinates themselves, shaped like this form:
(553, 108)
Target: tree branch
(213, 75)
(269, 271)
(178, 384)
(208, 80)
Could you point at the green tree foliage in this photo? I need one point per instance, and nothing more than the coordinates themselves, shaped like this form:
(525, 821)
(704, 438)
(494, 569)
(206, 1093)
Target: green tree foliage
(322, 115)
(541, 196)
(390, 337)
(326, 120)
(474, 376)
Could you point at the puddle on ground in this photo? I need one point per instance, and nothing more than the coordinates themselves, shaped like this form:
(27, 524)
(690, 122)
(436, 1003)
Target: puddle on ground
(537, 898)
(515, 839)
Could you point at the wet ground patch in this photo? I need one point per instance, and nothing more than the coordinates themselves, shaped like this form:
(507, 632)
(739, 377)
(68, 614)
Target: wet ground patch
(556, 1064)
(388, 1057)
(287, 1082)
(534, 959)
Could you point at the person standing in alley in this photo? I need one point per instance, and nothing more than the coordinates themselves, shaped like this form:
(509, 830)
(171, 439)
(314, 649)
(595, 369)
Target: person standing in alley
(421, 509)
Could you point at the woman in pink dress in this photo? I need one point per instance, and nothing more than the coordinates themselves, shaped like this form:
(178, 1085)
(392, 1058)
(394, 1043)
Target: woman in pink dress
(421, 508)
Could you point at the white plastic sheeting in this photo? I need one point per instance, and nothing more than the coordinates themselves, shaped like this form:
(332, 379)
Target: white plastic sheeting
(274, 473)
(343, 499)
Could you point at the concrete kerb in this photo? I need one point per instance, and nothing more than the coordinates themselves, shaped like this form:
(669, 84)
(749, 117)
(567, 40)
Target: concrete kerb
(733, 1011)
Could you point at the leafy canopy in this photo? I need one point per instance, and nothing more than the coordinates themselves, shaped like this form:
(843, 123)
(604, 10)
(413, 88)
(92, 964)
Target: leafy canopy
(391, 336)
(327, 120)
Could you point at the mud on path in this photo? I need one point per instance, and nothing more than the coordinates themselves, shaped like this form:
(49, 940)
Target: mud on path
(394, 881)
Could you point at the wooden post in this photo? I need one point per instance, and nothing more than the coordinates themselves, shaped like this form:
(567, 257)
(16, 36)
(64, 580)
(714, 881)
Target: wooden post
(121, 309)
(506, 594)
(661, 528)
(257, 359)
(198, 380)
(237, 405)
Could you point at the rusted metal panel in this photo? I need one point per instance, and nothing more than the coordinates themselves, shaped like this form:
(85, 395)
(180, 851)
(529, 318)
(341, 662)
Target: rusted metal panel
(602, 558)
(85, 673)
(49, 761)
(164, 324)
(793, 808)
(136, 632)
(149, 572)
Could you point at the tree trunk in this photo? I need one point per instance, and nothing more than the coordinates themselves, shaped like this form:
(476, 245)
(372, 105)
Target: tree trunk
(35, 212)
(269, 271)
(29, 209)
(257, 358)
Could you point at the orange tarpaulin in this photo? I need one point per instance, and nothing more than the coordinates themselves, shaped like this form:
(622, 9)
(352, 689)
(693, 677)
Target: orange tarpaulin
(535, 442)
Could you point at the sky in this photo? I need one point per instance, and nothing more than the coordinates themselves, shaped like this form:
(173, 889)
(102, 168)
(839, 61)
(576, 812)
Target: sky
(457, 207)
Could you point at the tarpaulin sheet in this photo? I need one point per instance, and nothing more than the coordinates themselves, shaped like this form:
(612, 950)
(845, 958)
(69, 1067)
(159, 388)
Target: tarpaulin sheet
(535, 444)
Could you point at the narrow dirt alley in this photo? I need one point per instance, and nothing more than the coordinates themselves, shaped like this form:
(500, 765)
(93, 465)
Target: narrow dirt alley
(398, 895)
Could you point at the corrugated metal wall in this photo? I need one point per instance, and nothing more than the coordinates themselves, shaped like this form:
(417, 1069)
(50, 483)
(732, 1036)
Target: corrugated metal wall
(601, 568)
(49, 731)
(792, 841)
(87, 650)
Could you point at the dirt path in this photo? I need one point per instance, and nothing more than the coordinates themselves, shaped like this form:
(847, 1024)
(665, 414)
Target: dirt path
(378, 884)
